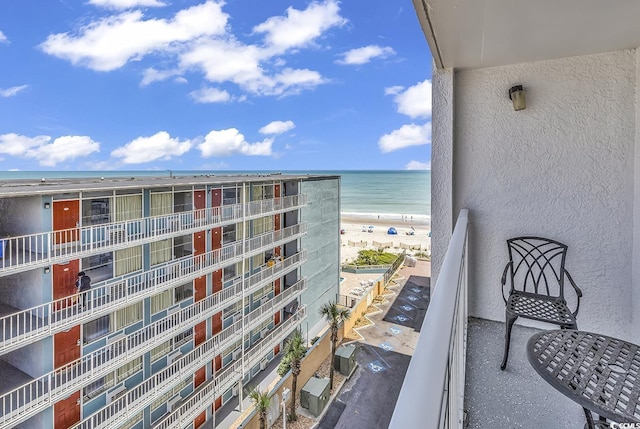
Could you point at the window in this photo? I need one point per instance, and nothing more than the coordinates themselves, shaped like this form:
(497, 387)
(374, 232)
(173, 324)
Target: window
(127, 316)
(258, 260)
(128, 369)
(230, 196)
(98, 267)
(183, 338)
(262, 192)
(161, 251)
(228, 234)
(98, 386)
(229, 272)
(132, 421)
(161, 203)
(183, 292)
(161, 301)
(262, 225)
(96, 328)
(96, 211)
(128, 207)
(161, 351)
(128, 260)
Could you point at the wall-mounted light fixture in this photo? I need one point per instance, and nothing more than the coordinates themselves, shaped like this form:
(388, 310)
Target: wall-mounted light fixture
(516, 94)
(47, 269)
(47, 205)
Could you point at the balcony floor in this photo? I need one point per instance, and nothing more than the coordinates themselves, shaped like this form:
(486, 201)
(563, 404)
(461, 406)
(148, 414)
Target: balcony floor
(516, 397)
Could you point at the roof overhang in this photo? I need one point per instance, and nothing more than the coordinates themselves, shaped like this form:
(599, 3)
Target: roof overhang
(470, 34)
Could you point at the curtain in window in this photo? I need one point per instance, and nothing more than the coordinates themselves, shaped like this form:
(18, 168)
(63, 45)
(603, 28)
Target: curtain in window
(257, 193)
(128, 260)
(128, 207)
(161, 203)
(128, 369)
(127, 316)
(160, 351)
(132, 421)
(161, 301)
(161, 251)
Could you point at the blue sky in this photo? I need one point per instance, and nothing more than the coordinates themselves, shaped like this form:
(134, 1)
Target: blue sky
(213, 85)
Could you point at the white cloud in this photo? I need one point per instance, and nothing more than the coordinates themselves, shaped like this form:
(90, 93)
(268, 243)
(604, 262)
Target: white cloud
(47, 153)
(277, 127)
(126, 4)
(231, 142)
(111, 42)
(3, 38)
(405, 136)
(300, 28)
(365, 54)
(146, 149)
(415, 102)
(210, 95)
(10, 92)
(417, 165)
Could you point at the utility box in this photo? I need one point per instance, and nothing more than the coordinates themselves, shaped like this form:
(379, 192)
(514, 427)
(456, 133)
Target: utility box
(314, 396)
(345, 360)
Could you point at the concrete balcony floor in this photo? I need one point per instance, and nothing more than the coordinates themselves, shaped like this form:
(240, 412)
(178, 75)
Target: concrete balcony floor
(516, 397)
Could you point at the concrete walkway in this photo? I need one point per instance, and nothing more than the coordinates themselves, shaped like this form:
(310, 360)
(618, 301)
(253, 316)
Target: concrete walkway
(368, 399)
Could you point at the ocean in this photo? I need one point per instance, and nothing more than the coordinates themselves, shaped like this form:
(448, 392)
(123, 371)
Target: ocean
(391, 193)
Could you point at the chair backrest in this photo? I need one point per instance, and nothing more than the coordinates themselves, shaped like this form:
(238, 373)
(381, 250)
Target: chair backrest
(537, 265)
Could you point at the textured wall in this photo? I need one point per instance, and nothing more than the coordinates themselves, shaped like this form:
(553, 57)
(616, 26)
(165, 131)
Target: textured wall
(562, 168)
(635, 314)
(441, 166)
(322, 268)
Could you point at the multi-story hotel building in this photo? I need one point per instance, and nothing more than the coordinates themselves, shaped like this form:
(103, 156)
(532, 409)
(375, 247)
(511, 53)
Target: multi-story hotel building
(196, 283)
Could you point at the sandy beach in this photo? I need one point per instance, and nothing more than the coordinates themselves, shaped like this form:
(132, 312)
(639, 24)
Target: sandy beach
(357, 236)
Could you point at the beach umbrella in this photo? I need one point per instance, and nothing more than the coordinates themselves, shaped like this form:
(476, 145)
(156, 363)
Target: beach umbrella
(392, 231)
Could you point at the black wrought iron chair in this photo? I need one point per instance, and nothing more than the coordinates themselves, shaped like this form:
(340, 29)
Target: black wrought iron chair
(536, 273)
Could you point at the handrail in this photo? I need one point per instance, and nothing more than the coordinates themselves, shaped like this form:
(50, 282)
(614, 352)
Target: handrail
(432, 394)
(23, 253)
(38, 322)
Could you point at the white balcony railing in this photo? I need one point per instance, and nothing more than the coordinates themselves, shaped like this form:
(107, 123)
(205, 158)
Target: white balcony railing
(202, 398)
(37, 394)
(26, 252)
(33, 324)
(136, 399)
(432, 394)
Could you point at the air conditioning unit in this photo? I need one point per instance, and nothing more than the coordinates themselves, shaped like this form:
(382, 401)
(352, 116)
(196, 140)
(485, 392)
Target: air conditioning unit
(115, 394)
(234, 391)
(117, 236)
(173, 356)
(236, 354)
(116, 338)
(173, 402)
(173, 309)
(263, 364)
(264, 333)
(264, 300)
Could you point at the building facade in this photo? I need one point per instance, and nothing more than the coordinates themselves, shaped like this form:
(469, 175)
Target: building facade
(196, 281)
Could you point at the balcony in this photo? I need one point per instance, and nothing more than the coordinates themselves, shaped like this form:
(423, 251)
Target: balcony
(27, 326)
(26, 252)
(454, 378)
(32, 397)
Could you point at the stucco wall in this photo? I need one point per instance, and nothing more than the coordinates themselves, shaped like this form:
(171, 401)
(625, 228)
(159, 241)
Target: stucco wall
(562, 168)
(635, 293)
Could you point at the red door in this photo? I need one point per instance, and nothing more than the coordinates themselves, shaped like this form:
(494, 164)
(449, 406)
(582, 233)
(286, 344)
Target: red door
(217, 323)
(276, 222)
(276, 318)
(66, 346)
(200, 420)
(276, 191)
(217, 404)
(218, 362)
(276, 287)
(199, 377)
(66, 218)
(216, 238)
(276, 349)
(67, 412)
(217, 281)
(199, 203)
(201, 333)
(64, 283)
(216, 197)
(201, 288)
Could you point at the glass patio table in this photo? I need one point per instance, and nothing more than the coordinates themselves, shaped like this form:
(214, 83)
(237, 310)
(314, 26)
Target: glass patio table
(600, 373)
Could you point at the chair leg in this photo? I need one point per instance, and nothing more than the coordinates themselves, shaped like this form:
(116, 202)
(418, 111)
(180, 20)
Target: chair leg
(507, 339)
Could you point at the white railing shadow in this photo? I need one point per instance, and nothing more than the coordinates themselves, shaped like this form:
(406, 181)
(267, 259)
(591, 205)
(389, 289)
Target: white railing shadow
(432, 394)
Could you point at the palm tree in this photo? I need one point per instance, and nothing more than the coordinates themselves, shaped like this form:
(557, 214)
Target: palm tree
(294, 351)
(335, 314)
(262, 402)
